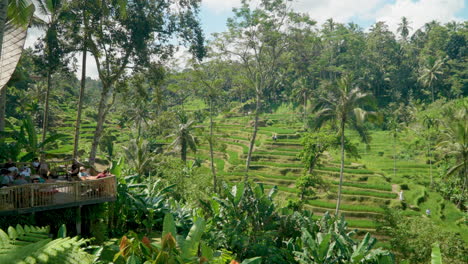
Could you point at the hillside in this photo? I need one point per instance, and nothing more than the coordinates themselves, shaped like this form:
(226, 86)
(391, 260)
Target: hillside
(369, 183)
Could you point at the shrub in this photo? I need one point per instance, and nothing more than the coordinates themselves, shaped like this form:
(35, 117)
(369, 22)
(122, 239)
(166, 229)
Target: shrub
(404, 186)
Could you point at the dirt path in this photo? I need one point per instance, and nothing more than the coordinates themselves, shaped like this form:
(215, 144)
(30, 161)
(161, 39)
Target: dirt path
(395, 188)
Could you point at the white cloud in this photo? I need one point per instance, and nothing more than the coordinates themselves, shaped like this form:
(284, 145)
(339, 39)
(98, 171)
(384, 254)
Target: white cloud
(340, 10)
(220, 6)
(419, 12)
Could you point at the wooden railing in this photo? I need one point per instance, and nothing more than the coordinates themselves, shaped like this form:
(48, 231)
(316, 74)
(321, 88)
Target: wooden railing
(44, 196)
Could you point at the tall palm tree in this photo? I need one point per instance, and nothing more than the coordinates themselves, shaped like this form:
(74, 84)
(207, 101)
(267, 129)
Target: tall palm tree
(184, 138)
(52, 10)
(341, 107)
(404, 28)
(431, 126)
(430, 73)
(453, 143)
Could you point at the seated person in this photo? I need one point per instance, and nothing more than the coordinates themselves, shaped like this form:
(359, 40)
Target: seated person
(103, 174)
(37, 179)
(36, 164)
(20, 180)
(26, 171)
(44, 170)
(83, 172)
(14, 169)
(6, 179)
(9, 164)
(75, 171)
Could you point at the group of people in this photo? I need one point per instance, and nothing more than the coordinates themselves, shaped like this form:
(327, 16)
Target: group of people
(10, 174)
(38, 172)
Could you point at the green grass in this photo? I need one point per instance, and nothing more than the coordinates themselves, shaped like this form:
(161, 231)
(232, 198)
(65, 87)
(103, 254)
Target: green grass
(346, 207)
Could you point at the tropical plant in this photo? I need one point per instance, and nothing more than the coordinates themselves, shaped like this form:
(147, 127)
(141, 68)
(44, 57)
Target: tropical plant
(314, 146)
(51, 48)
(139, 155)
(184, 139)
(172, 248)
(26, 139)
(430, 73)
(453, 143)
(341, 106)
(244, 221)
(30, 244)
(331, 242)
(404, 28)
(19, 13)
(129, 36)
(436, 257)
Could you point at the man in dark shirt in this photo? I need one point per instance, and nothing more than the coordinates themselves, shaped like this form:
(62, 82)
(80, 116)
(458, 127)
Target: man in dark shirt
(9, 164)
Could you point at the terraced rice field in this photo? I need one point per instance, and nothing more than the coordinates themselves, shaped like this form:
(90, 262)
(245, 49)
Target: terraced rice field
(369, 182)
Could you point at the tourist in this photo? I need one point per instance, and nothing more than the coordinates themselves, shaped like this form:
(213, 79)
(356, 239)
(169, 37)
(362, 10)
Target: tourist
(103, 174)
(25, 171)
(428, 212)
(400, 195)
(44, 170)
(9, 164)
(20, 180)
(37, 179)
(36, 164)
(7, 178)
(75, 171)
(83, 172)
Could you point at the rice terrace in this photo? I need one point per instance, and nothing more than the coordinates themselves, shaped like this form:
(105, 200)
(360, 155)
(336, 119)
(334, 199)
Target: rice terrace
(248, 132)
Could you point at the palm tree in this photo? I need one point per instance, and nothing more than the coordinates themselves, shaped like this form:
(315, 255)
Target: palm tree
(404, 28)
(453, 143)
(430, 73)
(183, 136)
(52, 10)
(341, 107)
(139, 155)
(431, 125)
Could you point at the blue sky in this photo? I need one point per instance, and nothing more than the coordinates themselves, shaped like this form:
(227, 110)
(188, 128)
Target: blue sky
(363, 12)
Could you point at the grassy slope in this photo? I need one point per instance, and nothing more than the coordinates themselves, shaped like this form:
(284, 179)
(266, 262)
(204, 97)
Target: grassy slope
(366, 189)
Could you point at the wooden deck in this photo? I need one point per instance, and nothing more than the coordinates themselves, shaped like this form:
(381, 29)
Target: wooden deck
(36, 197)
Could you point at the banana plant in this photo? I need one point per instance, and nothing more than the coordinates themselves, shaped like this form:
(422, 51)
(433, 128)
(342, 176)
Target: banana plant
(26, 139)
(334, 244)
(173, 248)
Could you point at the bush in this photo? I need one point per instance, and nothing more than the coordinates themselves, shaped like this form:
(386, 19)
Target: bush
(404, 186)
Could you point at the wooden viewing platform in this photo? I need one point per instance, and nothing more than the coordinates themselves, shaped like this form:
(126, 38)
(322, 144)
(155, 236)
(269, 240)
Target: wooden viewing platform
(29, 198)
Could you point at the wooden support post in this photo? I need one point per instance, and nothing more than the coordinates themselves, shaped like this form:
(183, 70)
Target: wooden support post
(78, 220)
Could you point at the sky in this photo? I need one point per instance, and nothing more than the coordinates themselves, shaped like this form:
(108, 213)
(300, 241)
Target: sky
(214, 14)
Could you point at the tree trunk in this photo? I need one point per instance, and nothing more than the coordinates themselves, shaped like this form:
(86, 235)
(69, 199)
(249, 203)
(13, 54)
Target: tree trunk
(254, 135)
(338, 202)
(394, 155)
(80, 102)
(102, 112)
(305, 109)
(3, 95)
(45, 120)
(183, 149)
(430, 165)
(213, 169)
(3, 18)
(432, 91)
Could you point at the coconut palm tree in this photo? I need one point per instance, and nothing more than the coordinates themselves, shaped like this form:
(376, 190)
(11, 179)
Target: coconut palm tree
(430, 73)
(341, 107)
(453, 143)
(404, 28)
(53, 10)
(184, 138)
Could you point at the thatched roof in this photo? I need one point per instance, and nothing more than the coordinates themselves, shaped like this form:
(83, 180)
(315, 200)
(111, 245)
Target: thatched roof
(13, 43)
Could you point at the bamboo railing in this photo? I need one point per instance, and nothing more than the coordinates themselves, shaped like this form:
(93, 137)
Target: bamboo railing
(39, 196)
